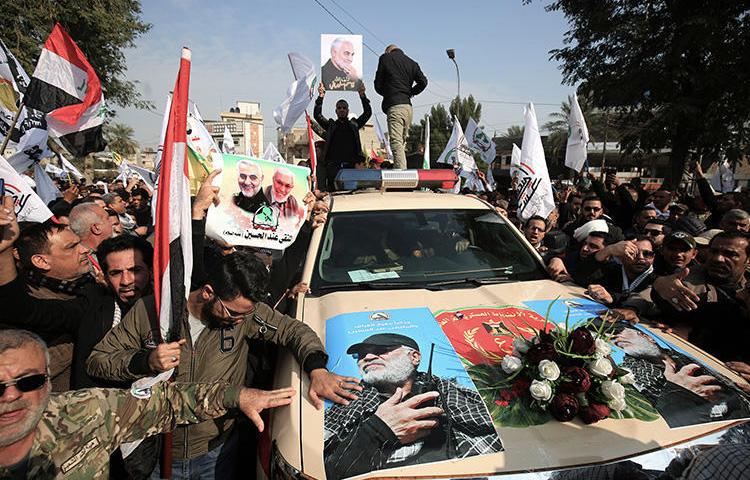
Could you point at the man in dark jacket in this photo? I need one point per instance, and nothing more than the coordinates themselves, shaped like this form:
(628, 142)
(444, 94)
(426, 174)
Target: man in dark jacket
(397, 79)
(343, 146)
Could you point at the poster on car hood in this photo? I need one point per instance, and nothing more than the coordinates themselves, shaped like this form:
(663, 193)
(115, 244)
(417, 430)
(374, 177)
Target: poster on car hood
(260, 203)
(417, 405)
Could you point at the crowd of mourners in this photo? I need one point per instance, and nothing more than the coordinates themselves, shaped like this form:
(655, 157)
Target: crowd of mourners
(79, 317)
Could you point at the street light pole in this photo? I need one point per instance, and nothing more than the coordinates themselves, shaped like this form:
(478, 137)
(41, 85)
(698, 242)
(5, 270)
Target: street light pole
(452, 55)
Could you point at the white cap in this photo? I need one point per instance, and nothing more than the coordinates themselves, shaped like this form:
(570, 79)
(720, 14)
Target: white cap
(584, 230)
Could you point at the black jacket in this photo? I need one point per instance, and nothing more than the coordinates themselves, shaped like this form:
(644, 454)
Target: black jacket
(396, 77)
(331, 125)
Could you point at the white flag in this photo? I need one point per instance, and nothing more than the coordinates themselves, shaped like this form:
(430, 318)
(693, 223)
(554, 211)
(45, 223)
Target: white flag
(535, 195)
(69, 168)
(272, 154)
(426, 163)
(200, 141)
(29, 207)
(29, 136)
(249, 150)
(160, 148)
(299, 93)
(54, 170)
(473, 182)
(578, 137)
(479, 141)
(227, 143)
(491, 184)
(723, 179)
(457, 151)
(515, 162)
(45, 188)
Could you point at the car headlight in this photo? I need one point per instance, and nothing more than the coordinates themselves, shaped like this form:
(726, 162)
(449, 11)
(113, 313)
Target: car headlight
(281, 469)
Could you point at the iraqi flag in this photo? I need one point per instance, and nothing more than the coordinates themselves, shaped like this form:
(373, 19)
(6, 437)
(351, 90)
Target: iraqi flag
(173, 252)
(65, 87)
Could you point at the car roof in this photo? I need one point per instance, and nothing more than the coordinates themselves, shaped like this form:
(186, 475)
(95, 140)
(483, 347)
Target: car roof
(376, 200)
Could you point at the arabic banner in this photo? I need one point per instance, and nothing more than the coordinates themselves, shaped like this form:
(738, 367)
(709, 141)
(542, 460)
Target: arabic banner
(665, 382)
(405, 364)
(261, 203)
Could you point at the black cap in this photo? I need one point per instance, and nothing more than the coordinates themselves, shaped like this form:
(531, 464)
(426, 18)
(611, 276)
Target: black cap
(682, 237)
(690, 224)
(384, 340)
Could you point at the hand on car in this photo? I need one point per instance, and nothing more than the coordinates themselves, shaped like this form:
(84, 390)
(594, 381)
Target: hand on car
(673, 290)
(301, 287)
(165, 356)
(600, 294)
(743, 370)
(558, 272)
(701, 385)
(254, 401)
(329, 386)
(405, 420)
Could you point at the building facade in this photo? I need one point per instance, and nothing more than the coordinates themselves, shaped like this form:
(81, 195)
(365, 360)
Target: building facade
(245, 124)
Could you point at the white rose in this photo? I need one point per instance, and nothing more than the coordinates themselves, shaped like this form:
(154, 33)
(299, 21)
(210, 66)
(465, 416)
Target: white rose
(521, 345)
(541, 390)
(549, 370)
(627, 379)
(613, 390)
(617, 404)
(511, 364)
(602, 348)
(601, 367)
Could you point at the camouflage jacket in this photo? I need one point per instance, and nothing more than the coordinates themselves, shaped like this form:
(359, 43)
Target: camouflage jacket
(79, 429)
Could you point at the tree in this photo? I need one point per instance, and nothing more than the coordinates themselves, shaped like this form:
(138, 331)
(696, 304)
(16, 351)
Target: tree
(120, 138)
(599, 124)
(464, 109)
(677, 74)
(101, 28)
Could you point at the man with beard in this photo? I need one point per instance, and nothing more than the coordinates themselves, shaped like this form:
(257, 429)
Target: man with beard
(403, 416)
(339, 73)
(592, 209)
(279, 194)
(677, 252)
(222, 314)
(702, 304)
(250, 179)
(683, 392)
(565, 269)
(72, 434)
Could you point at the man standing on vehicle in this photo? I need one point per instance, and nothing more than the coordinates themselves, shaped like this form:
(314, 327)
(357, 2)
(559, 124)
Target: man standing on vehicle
(403, 416)
(343, 147)
(397, 79)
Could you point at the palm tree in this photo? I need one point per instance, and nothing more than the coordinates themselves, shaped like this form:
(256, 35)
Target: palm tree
(598, 122)
(120, 138)
(464, 109)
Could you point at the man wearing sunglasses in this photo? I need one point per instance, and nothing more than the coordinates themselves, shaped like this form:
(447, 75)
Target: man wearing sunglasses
(628, 270)
(592, 209)
(222, 316)
(81, 428)
(657, 231)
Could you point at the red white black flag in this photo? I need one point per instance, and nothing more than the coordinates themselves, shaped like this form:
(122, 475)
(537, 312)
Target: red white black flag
(66, 88)
(173, 251)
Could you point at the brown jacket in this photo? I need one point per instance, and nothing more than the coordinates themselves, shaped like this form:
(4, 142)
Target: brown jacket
(217, 355)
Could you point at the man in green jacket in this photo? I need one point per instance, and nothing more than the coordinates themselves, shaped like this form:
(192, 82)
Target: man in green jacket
(71, 435)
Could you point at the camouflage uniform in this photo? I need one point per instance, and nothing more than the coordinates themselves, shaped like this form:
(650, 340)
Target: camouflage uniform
(79, 429)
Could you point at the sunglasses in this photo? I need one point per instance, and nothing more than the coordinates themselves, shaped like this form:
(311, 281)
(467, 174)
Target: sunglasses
(646, 253)
(591, 209)
(376, 350)
(653, 233)
(25, 384)
(235, 316)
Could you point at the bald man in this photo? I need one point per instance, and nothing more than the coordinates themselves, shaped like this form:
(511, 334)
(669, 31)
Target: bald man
(279, 194)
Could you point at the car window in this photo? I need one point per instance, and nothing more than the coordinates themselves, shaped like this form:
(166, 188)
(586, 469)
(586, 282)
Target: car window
(420, 247)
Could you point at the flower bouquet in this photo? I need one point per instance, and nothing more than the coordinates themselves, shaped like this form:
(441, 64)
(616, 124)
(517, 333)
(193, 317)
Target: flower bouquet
(561, 373)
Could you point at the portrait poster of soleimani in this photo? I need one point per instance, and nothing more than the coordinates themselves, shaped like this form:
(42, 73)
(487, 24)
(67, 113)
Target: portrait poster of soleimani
(260, 203)
(405, 364)
(341, 61)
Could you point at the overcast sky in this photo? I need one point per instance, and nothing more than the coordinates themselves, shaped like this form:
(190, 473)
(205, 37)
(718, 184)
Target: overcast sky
(239, 53)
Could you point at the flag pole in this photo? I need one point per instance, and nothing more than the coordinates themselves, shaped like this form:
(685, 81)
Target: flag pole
(12, 126)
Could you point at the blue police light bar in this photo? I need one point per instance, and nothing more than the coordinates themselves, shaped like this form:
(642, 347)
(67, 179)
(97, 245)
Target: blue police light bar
(353, 179)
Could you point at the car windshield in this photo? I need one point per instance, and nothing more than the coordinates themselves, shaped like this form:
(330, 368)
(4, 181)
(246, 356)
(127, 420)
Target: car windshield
(420, 249)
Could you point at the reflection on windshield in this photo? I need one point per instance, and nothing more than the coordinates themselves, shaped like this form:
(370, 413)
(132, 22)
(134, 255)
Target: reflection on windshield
(421, 247)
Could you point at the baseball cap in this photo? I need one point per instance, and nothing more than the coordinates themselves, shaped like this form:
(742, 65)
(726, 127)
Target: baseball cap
(384, 340)
(682, 237)
(679, 206)
(705, 238)
(690, 224)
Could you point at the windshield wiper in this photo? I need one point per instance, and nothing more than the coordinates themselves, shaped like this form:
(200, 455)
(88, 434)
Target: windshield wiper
(477, 282)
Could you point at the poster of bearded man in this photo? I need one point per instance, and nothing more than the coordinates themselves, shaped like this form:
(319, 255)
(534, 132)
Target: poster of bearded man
(341, 61)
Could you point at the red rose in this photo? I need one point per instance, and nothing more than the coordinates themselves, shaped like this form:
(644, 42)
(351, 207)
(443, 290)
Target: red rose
(575, 380)
(521, 387)
(582, 342)
(541, 351)
(564, 407)
(594, 412)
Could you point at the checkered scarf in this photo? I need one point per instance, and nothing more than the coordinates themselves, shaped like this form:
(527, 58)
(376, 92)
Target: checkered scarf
(469, 424)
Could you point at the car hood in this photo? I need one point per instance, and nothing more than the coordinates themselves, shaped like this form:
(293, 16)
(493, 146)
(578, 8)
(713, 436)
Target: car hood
(549, 446)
